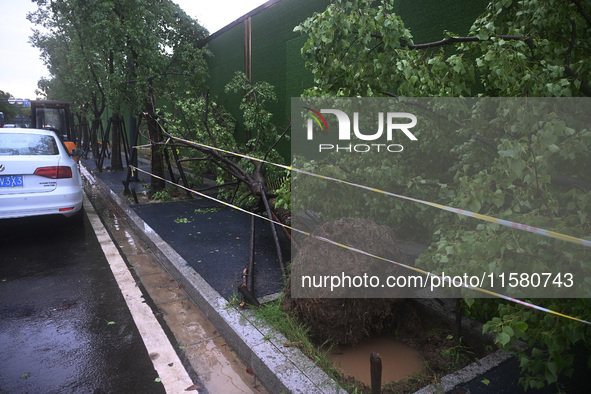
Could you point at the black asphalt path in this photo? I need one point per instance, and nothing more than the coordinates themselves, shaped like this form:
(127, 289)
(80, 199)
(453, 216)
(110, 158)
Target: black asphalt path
(214, 240)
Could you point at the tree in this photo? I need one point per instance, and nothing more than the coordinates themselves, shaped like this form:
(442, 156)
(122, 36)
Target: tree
(516, 48)
(529, 175)
(148, 55)
(66, 44)
(201, 119)
(120, 55)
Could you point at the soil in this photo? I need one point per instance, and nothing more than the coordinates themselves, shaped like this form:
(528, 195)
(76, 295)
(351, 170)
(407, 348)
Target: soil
(442, 348)
(332, 314)
(346, 321)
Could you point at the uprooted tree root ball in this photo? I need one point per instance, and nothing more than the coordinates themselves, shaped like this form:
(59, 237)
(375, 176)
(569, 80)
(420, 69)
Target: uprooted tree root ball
(345, 320)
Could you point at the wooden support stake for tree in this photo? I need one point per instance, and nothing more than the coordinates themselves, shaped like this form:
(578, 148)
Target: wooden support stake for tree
(458, 318)
(133, 158)
(274, 232)
(116, 163)
(287, 234)
(125, 142)
(175, 156)
(169, 166)
(375, 369)
(248, 296)
(104, 151)
(250, 280)
(134, 194)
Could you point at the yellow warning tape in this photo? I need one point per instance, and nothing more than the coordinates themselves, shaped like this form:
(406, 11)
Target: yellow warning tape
(507, 223)
(323, 239)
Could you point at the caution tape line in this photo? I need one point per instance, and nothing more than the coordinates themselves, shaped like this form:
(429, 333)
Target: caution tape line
(329, 241)
(502, 222)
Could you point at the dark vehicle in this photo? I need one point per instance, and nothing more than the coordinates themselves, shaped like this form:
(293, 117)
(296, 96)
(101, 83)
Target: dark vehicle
(52, 115)
(55, 116)
(1, 119)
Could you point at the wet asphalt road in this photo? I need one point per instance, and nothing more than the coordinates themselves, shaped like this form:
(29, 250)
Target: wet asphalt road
(64, 325)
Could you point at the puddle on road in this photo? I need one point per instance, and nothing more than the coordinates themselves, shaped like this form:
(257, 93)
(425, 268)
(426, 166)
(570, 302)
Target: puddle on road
(117, 228)
(398, 360)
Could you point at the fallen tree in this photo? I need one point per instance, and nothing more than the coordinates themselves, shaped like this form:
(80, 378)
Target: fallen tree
(201, 133)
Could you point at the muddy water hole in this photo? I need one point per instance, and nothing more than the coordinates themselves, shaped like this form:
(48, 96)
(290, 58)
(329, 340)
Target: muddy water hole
(414, 357)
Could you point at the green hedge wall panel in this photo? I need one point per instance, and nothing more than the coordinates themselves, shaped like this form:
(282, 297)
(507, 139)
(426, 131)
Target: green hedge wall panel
(275, 48)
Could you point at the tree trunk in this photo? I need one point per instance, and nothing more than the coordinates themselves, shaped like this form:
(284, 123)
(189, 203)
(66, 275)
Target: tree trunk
(94, 137)
(85, 135)
(116, 163)
(156, 159)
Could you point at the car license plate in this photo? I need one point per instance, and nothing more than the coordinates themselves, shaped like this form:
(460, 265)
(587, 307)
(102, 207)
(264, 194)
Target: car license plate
(11, 181)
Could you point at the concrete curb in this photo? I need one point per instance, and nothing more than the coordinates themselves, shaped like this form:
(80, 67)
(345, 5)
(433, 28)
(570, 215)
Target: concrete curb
(279, 368)
(471, 371)
(466, 374)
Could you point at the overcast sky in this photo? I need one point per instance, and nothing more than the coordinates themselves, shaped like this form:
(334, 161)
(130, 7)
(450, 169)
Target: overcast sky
(21, 68)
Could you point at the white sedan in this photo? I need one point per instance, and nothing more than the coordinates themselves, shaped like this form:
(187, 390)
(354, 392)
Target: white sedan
(37, 175)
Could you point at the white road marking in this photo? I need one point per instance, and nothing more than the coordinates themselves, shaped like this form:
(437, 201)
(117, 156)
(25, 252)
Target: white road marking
(166, 362)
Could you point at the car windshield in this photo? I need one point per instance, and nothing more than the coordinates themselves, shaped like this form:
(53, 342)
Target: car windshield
(27, 144)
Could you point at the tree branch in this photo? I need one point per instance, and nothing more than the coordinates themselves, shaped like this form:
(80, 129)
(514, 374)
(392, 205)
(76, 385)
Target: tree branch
(229, 166)
(452, 40)
(582, 11)
(277, 141)
(584, 87)
(206, 120)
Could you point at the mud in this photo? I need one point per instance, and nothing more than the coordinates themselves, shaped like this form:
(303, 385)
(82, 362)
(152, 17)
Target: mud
(398, 360)
(411, 358)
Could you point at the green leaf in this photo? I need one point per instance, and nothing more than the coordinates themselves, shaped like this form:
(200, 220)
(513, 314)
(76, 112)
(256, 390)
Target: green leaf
(516, 165)
(508, 152)
(485, 382)
(553, 148)
(503, 338)
(521, 326)
(551, 373)
(537, 353)
(482, 35)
